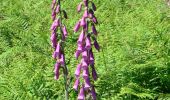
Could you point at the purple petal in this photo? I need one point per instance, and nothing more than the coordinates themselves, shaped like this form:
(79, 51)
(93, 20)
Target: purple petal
(83, 22)
(81, 38)
(62, 61)
(76, 84)
(87, 83)
(88, 43)
(77, 26)
(53, 39)
(78, 70)
(55, 24)
(56, 71)
(85, 73)
(57, 9)
(65, 33)
(81, 95)
(57, 51)
(77, 54)
(94, 20)
(79, 7)
(84, 55)
(84, 64)
(91, 57)
(85, 15)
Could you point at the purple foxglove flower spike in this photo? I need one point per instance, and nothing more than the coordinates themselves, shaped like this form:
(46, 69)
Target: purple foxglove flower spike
(76, 84)
(76, 28)
(88, 43)
(84, 48)
(79, 7)
(78, 70)
(81, 95)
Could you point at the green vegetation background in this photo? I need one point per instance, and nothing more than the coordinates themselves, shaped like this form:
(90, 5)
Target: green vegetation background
(133, 64)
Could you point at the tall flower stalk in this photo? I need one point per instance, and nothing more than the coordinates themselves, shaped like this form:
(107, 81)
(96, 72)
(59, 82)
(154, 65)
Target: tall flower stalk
(87, 39)
(58, 37)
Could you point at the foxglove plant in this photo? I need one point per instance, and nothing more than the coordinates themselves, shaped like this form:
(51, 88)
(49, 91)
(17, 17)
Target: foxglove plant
(87, 39)
(58, 36)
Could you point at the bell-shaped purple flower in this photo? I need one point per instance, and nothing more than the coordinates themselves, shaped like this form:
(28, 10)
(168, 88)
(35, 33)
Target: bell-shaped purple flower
(55, 24)
(77, 26)
(57, 51)
(57, 9)
(88, 43)
(94, 74)
(96, 45)
(56, 71)
(85, 15)
(91, 61)
(81, 95)
(78, 70)
(81, 38)
(79, 7)
(53, 39)
(62, 61)
(94, 29)
(85, 73)
(84, 64)
(53, 15)
(94, 20)
(77, 54)
(93, 93)
(83, 21)
(76, 84)
(84, 55)
(87, 83)
(65, 33)
(80, 48)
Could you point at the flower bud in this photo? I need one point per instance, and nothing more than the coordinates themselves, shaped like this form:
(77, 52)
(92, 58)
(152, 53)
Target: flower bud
(76, 28)
(81, 95)
(78, 70)
(76, 84)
